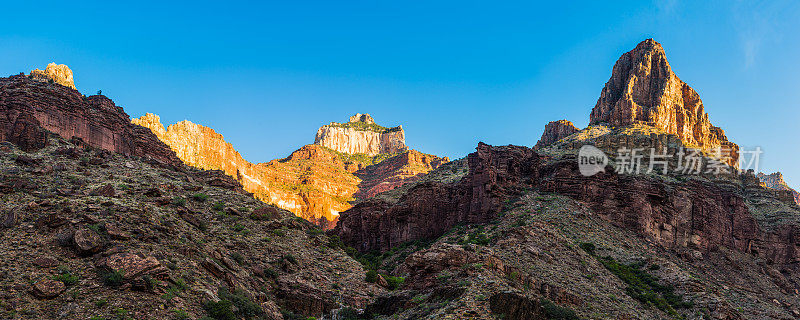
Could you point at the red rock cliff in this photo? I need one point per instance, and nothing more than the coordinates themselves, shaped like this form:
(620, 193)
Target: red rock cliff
(29, 108)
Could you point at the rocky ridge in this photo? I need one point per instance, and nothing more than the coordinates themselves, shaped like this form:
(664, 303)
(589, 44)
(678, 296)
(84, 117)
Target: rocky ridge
(314, 182)
(520, 232)
(32, 109)
(775, 181)
(555, 131)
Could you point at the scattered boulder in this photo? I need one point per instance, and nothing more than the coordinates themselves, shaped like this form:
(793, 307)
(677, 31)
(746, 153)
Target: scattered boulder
(48, 289)
(9, 219)
(133, 266)
(116, 233)
(513, 306)
(87, 241)
(106, 190)
(45, 262)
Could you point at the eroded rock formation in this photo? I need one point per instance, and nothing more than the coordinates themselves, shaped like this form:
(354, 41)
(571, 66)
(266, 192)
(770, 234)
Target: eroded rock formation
(58, 73)
(314, 182)
(556, 130)
(644, 90)
(361, 135)
(29, 108)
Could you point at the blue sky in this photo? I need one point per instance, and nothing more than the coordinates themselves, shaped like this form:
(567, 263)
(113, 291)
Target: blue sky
(453, 73)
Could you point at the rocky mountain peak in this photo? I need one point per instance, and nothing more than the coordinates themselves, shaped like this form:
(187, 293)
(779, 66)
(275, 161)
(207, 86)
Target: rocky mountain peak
(644, 90)
(365, 118)
(59, 73)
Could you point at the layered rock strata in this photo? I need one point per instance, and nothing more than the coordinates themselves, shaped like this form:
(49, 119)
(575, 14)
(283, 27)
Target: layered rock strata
(29, 109)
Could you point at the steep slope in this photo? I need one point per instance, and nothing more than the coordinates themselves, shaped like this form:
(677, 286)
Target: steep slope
(94, 234)
(314, 182)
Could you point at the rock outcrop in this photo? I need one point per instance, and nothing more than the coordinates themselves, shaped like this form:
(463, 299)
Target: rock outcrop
(556, 130)
(494, 174)
(314, 182)
(361, 135)
(694, 215)
(644, 90)
(775, 181)
(58, 73)
(30, 108)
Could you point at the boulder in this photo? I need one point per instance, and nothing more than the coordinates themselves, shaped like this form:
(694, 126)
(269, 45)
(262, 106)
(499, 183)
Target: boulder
(106, 190)
(48, 289)
(87, 241)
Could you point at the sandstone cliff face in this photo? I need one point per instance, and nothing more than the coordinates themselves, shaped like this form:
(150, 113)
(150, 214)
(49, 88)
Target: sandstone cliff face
(556, 130)
(644, 90)
(59, 73)
(314, 182)
(361, 135)
(30, 108)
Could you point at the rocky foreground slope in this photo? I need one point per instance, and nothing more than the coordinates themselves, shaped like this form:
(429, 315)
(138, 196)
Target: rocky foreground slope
(348, 162)
(90, 234)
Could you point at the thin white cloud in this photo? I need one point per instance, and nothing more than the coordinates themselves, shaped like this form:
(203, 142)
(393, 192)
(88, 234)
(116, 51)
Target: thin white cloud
(760, 23)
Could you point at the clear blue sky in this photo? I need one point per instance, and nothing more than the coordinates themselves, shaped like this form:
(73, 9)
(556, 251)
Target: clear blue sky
(452, 73)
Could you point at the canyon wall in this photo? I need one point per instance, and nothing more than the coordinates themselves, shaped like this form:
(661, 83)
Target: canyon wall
(314, 182)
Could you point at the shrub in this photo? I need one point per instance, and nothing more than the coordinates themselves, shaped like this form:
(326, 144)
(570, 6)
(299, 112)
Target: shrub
(290, 258)
(113, 278)
(588, 247)
(101, 303)
(394, 282)
(200, 197)
(644, 287)
(238, 257)
(372, 276)
(178, 201)
(219, 206)
(244, 307)
(220, 310)
(66, 277)
(552, 311)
